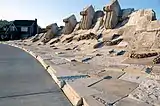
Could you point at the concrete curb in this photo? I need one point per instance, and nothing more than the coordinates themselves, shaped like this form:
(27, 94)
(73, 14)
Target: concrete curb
(70, 93)
(42, 62)
(50, 70)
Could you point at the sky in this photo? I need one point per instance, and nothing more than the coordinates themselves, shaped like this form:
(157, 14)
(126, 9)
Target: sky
(54, 11)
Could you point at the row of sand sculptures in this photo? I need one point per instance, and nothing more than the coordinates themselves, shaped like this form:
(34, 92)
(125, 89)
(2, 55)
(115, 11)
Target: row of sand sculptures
(139, 29)
(108, 18)
(95, 19)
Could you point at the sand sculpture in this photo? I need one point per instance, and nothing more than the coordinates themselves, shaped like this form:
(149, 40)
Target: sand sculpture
(51, 33)
(98, 20)
(112, 13)
(70, 24)
(87, 17)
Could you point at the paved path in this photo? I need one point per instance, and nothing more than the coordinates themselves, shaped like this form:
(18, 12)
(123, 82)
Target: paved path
(24, 82)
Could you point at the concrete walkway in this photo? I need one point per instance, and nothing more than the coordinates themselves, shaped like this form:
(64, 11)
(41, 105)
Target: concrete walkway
(24, 82)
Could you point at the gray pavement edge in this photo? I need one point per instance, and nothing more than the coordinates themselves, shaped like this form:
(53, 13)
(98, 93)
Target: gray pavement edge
(70, 93)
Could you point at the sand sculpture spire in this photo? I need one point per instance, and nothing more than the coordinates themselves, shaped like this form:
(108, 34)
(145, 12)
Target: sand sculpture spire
(70, 24)
(112, 13)
(87, 17)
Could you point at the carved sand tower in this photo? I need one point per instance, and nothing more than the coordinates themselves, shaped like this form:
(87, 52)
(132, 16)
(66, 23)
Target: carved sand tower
(87, 17)
(112, 13)
(70, 24)
(51, 33)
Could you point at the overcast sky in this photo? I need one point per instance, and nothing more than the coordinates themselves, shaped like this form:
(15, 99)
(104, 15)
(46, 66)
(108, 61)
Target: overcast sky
(51, 11)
